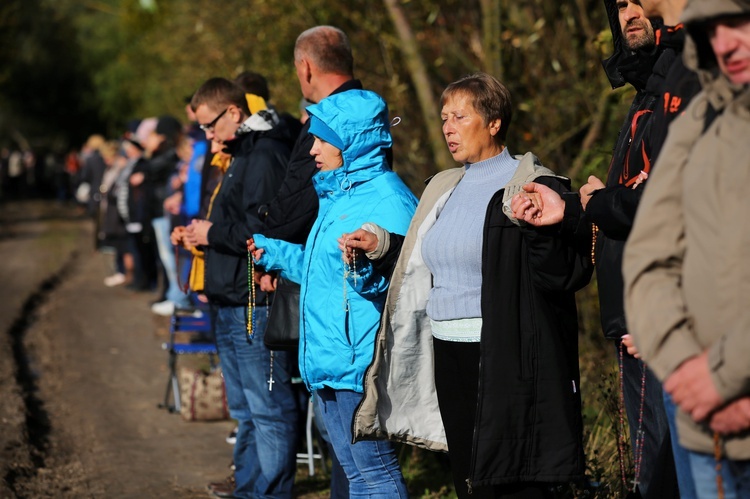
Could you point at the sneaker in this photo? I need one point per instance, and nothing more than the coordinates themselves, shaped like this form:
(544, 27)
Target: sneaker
(165, 308)
(232, 437)
(223, 489)
(114, 280)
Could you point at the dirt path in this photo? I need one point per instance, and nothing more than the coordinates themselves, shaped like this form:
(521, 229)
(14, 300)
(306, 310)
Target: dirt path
(83, 371)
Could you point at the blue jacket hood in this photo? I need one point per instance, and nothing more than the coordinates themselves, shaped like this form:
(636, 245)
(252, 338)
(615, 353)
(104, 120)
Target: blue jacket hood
(359, 119)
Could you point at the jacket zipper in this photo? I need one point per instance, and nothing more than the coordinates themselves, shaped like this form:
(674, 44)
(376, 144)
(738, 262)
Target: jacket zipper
(475, 435)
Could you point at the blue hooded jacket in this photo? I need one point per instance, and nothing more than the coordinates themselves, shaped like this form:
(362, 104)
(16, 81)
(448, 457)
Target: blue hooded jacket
(339, 316)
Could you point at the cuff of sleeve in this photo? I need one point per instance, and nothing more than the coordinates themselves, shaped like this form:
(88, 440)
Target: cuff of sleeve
(572, 213)
(673, 351)
(384, 241)
(724, 375)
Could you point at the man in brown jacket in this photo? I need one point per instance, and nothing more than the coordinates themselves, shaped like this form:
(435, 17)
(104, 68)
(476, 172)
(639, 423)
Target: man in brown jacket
(686, 276)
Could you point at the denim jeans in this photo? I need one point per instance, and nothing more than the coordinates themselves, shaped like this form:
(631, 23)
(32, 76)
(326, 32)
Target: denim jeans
(265, 451)
(339, 482)
(735, 477)
(166, 255)
(370, 465)
(681, 454)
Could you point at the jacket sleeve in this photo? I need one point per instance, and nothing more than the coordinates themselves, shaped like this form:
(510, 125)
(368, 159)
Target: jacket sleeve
(280, 255)
(652, 267)
(560, 255)
(259, 183)
(291, 213)
(366, 281)
(613, 210)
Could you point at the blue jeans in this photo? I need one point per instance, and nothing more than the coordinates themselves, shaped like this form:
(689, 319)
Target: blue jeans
(265, 451)
(681, 454)
(370, 465)
(339, 482)
(735, 476)
(166, 255)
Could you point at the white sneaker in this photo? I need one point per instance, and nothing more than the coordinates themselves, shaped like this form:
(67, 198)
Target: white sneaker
(165, 308)
(114, 280)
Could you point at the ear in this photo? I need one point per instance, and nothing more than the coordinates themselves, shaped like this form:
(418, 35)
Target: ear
(495, 126)
(235, 114)
(307, 70)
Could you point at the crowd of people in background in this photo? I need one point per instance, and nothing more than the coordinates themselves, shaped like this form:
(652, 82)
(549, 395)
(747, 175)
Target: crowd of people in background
(451, 323)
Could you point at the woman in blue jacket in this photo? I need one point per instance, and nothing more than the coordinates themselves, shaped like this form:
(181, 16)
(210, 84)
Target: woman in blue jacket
(341, 303)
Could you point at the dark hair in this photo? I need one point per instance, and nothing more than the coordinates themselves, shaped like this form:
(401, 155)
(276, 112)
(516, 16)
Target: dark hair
(328, 48)
(253, 83)
(489, 97)
(218, 93)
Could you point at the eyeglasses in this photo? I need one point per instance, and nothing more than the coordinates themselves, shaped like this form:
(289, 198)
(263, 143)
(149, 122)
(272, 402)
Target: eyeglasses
(210, 126)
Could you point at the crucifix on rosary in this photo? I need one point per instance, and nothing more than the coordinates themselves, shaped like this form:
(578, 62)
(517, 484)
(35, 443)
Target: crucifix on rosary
(270, 377)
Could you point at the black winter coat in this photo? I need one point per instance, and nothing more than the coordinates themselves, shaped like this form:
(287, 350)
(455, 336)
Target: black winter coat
(528, 425)
(258, 166)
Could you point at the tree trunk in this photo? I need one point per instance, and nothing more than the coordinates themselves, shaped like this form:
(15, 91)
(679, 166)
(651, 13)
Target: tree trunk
(418, 73)
(491, 38)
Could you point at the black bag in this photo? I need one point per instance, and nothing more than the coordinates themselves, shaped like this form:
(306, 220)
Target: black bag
(282, 332)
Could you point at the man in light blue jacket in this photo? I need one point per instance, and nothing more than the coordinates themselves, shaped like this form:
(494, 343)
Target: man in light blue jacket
(341, 302)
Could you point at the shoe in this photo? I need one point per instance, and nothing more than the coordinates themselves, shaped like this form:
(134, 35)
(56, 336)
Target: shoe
(193, 312)
(165, 308)
(232, 437)
(114, 280)
(223, 489)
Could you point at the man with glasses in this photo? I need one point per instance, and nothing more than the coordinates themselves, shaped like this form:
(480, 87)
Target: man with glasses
(258, 381)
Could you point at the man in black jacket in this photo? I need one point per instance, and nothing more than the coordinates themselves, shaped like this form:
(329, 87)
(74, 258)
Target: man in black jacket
(325, 66)
(643, 58)
(258, 381)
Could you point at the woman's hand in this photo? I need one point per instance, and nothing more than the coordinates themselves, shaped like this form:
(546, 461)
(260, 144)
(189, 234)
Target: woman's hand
(360, 239)
(538, 205)
(255, 251)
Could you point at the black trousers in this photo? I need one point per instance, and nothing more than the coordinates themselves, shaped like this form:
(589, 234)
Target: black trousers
(456, 381)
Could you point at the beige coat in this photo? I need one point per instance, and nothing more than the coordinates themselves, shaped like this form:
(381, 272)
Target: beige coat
(687, 276)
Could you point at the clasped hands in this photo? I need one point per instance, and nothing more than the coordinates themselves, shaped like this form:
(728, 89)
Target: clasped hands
(195, 234)
(693, 390)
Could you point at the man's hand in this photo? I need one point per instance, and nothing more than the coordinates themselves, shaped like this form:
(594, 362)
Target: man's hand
(177, 234)
(538, 205)
(587, 189)
(137, 179)
(732, 418)
(692, 388)
(627, 340)
(173, 203)
(360, 239)
(197, 232)
(266, 281)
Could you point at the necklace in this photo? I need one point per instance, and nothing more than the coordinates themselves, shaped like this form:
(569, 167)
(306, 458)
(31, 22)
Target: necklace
(594, 233)
(717, 458)
(640, 436)
(250, 296)
(349, 270)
